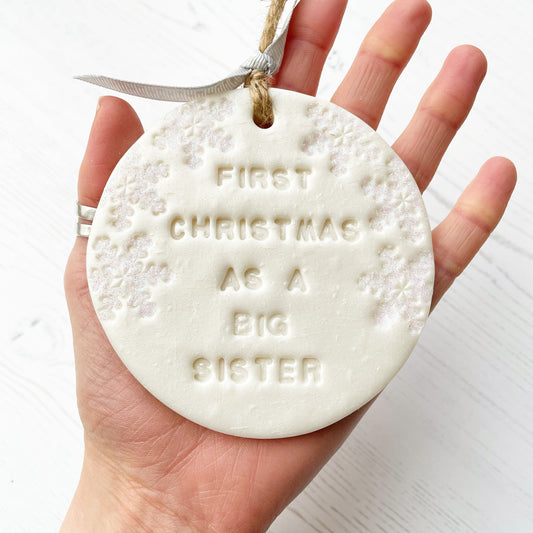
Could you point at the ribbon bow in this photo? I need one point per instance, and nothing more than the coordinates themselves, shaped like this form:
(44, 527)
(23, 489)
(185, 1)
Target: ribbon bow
(268, 61)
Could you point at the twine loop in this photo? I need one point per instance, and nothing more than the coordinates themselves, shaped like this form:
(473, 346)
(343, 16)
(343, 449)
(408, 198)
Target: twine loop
(257, 80)
(263, 112)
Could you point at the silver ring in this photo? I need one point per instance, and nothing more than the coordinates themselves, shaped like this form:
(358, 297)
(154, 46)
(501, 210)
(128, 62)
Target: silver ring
(83, 230)
(86, 213)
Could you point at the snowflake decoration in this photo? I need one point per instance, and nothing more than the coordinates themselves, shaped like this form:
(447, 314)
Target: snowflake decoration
(193, 126)
(347, 140)
(123, 278)
(339, 135)
(403, 289)
(398, 202)
(136, 189)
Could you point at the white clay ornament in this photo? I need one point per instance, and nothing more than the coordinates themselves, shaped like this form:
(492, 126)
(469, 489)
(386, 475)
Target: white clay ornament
(261, 282)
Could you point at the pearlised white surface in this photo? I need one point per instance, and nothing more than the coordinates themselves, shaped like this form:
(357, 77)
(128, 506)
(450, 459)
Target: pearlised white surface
(261, 282)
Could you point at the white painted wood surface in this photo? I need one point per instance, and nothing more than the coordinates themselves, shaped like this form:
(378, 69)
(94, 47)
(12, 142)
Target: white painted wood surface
(448, 447)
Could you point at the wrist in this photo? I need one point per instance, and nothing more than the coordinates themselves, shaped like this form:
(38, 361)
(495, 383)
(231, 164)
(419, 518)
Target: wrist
(108, 501)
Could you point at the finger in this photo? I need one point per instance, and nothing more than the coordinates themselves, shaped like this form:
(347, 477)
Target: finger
(442, 110)
(458, 238)
(312, 32)
(383, 55)
(115, 128)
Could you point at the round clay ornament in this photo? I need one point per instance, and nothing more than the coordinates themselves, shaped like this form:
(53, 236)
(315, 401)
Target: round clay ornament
(261, 282)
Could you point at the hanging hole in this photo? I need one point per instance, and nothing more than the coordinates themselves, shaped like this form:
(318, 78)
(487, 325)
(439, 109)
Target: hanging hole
(264, 125)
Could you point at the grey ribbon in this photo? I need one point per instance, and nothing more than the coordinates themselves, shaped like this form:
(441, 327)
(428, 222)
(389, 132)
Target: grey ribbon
(268, 61)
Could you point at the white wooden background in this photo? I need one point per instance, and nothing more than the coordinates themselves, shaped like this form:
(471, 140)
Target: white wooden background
(449, 446)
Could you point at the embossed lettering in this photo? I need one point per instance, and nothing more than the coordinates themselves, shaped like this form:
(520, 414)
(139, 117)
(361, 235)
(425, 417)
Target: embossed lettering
(245, 324)
(259, 230)
(260, 177)
(242, 324)
(175, 232)
(202, 368)
(224, 173)
(306, 230)
(221, 369)
(238, 371)
(195, 226)
(277, 324)
(328, 231)
(251, 279)
(224, 226)
(349, 230)
(282, 222)
(286, 229)
(280, 179)
(262, 363)
(230, 280)
(286, 370)
(296, 281)
(311, 370)
(303, 174)
(242, 229)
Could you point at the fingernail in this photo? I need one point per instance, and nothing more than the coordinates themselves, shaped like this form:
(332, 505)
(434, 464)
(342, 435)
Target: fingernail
(99, 104)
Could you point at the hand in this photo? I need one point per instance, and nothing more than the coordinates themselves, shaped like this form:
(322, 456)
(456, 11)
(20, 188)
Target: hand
(147, 468)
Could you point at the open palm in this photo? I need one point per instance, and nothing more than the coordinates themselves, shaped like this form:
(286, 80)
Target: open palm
(147, 468)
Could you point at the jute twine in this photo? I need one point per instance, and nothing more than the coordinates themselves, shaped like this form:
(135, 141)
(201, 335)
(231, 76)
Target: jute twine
(257, 80)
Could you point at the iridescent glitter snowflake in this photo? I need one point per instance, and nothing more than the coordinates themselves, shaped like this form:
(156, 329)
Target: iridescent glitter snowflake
(339, 135)
(136, 189)
(402, 288)
(124, 278)
(193, 126)
(397, 202)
